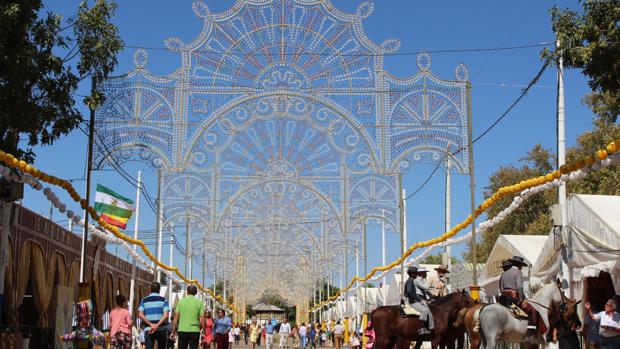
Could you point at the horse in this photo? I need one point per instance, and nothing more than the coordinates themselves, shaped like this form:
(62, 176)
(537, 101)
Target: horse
(390, 325)
(493, 322)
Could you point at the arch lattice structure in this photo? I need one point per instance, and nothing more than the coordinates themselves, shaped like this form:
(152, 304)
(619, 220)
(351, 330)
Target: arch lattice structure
(281, 128)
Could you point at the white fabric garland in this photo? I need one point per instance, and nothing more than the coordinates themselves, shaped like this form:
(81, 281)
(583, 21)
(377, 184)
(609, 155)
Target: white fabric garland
(62, 208)
(516, 202)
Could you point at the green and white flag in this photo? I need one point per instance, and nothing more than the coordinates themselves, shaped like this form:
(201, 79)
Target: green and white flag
(115, 208)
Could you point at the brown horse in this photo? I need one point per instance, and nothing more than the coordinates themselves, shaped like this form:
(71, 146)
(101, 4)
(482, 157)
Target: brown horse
(390, 325)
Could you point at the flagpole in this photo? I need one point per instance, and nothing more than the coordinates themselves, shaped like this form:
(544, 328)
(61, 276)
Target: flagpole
(89, 169)
(132, 283)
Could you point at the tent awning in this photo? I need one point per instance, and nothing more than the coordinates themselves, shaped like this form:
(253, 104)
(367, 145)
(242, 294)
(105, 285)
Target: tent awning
(593, 235)
(267, 308)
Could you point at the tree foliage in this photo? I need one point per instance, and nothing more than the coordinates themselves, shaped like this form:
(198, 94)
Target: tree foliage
(591, 42)
(42, 64)
(532, 217)
(437, 259)
(602, 182)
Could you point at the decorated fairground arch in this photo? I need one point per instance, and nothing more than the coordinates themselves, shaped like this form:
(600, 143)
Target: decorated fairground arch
(281, 127)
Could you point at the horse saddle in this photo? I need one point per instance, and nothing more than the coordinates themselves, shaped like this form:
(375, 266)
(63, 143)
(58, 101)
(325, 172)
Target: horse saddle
(408, 310)
(510, 304)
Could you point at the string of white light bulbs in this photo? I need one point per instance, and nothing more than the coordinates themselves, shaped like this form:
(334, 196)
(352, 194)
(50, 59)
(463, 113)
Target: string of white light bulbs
(5, 172)
(613, 159)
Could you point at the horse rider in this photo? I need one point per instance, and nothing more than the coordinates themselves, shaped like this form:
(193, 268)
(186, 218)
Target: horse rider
(438, 283)
(511, 286)
(423, 294)
(410, 293)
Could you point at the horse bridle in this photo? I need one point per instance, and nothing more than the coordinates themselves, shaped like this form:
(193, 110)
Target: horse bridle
(563, 306)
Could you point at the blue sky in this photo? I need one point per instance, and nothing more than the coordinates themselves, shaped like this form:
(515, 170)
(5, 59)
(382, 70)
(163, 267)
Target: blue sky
(497, 78)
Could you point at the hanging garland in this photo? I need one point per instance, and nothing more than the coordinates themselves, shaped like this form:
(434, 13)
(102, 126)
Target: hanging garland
(62, 208)
(573, 171)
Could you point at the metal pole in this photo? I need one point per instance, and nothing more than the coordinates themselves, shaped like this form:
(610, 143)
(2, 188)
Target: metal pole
(320, 299)
(215, 277)
(470, 146)
(365, 266)
(171, 257)
(402, 232)
(159, 226)
(566, 270)
(448, 219)
(357, 274)
(405, 230)
(383, 243)
(187, 245)
(132, 282)
(89, 169)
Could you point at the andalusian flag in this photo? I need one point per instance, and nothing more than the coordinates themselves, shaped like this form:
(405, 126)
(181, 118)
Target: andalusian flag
(115, 209)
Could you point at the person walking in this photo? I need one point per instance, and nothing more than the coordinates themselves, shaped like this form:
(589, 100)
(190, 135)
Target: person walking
(237, 333)
(153, 311)
(312, 337)
(221, 328)
(231, 337)
(303, 335)
(609, 324)
(284, 333)
(254, 333)
(355, 341)
(206, 324)
(270, 328)
(187, 318)
(120, 324)
(338, 333)
(246, 333)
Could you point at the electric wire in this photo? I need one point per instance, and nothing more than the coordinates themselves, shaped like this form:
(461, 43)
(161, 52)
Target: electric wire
(259, 52)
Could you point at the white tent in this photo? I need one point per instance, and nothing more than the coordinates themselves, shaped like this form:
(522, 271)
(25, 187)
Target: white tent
(394, 290)
(527, 246)
(593, 239)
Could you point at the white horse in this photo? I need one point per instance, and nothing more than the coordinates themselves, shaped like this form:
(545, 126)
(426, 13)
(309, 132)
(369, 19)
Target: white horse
(497, 322)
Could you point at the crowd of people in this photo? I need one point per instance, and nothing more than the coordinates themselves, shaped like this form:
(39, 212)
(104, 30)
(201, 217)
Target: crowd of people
(193, 326)
(302, 336)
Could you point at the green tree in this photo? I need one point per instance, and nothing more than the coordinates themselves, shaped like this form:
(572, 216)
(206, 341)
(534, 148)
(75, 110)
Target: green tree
(590, 41)
(532, 217)
(438, 259)
(602, 182)
(37, 85)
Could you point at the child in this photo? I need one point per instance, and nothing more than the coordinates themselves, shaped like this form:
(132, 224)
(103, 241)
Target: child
(231, 337)
(370, 333)
(141, 339)
(355, 341)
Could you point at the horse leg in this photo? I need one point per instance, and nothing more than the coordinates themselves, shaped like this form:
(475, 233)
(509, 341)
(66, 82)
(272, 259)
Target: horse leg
(418, 344)
(460, 341)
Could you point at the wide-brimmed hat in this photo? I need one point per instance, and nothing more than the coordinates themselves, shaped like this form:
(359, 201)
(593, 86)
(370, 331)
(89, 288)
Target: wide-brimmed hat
(506, 263)
(412, 269)
(518, 260)
(422, 270)
(443, 268)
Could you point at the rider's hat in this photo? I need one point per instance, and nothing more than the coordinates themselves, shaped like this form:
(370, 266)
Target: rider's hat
(443, 268)
(412, 270)
(422, 270)
(506, 263)
(518, 260)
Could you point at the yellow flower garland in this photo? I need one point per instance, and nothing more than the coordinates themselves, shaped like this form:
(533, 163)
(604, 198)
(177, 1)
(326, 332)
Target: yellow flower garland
(589, 160)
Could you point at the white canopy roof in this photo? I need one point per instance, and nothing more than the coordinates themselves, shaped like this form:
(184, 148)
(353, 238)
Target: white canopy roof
(527, 246)
(593, 235)
(593, 239)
